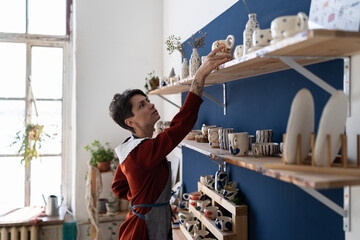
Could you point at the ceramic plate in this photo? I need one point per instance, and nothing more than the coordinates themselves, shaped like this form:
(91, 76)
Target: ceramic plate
(332, 121)
(301, 121)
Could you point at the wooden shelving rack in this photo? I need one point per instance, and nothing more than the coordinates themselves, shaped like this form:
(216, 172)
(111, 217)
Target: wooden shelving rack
(318, 43)
(238, 215)
(316, 180)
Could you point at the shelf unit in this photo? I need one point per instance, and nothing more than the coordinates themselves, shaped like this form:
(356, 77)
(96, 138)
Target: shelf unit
(309, 47)
(238, 215)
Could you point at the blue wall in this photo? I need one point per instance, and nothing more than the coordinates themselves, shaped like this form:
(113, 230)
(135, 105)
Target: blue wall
(277, 210)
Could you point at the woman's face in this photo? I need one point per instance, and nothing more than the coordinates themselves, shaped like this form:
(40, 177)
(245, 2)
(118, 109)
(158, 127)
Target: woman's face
(145, 113)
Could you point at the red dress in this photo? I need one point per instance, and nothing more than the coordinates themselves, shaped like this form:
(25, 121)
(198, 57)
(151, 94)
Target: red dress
(142, 176)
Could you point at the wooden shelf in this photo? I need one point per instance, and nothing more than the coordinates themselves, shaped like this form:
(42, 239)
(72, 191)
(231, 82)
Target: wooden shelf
(210, 225)
(312, 43)
(308, 179)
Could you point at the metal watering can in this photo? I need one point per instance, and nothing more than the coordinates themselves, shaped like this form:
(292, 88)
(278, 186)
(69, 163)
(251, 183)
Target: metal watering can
(52, 206)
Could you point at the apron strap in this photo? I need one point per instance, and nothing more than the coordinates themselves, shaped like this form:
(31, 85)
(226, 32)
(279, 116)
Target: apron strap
(146, 205)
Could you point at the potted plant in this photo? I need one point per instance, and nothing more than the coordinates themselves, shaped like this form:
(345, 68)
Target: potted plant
(195, 60)
(101, 155)
(151, 81)
(30, 139)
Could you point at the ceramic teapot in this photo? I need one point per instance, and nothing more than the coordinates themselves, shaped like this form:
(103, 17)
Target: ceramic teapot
(228, 44)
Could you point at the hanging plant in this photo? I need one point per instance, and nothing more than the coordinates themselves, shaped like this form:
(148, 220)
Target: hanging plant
(30, 139)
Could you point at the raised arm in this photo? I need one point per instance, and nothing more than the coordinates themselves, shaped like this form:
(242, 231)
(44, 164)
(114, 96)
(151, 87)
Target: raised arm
(212, 62)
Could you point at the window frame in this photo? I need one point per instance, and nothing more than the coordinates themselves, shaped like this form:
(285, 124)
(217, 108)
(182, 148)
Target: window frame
(64, 42)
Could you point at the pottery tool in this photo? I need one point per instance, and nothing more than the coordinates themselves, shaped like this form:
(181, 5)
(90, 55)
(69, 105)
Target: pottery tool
(247, 9)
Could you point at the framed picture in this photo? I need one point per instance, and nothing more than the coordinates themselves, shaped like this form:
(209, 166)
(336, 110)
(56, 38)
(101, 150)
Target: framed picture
(335, 14)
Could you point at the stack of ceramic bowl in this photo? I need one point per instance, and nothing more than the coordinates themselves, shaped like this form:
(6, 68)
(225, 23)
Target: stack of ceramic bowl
(264, 145)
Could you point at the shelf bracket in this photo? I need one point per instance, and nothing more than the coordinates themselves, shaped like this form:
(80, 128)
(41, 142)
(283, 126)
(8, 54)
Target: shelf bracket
(288, 60)
(221, 104)
(344, 212)
(169, 101)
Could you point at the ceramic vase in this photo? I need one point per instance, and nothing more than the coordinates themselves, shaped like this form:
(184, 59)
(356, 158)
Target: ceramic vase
(251, 25)
(195, 62)
(220, 179)
(185, 68)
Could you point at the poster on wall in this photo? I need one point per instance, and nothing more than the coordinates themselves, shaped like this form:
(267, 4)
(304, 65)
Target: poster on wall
(335, 14)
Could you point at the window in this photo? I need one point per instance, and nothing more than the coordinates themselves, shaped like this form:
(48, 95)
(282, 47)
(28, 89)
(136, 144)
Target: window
(35, 87)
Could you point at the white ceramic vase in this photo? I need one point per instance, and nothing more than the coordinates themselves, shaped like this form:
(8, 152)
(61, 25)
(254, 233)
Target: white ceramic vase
(251, 25)
(195, 62)
(185, 68)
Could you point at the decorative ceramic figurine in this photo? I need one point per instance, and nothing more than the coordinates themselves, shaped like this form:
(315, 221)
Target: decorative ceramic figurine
(228, 44)
(251, 25)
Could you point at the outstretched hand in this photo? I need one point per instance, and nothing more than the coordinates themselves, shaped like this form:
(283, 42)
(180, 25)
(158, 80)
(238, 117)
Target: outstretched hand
(211, 63)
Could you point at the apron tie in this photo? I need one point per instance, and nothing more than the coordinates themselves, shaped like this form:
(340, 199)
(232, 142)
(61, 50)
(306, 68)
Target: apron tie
(146, 205)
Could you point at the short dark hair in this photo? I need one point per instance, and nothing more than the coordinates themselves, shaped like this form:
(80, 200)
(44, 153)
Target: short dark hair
(120, 107)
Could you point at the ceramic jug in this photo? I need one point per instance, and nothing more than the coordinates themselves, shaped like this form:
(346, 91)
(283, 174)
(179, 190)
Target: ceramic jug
(251, 25)
(228, 44)
(220, 178)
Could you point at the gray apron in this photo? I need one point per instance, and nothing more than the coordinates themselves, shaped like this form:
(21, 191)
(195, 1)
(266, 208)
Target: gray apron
(158, 219)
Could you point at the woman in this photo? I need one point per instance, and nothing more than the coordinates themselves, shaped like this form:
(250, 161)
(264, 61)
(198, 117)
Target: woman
(143, 176)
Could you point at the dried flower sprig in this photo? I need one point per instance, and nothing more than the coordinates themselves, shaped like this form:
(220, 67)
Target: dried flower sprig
(198, 42)
(173, 43)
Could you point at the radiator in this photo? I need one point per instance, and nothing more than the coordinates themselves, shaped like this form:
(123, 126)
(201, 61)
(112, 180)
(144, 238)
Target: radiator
(19, 233)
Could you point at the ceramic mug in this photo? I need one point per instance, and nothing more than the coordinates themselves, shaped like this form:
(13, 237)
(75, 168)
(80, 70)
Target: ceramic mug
(213, 137)
(239, 143)
(265, 149)
(204, 129)
(186, 216)
(228, 44)
(261, 37)
(200, 234)
(191, 225)
(251, 140)
(192, 196)
(204, 178)
(230, 194)
(184, 204)
(224, 137)
(193, 202)
(286, 26)
(212, 212)
(202, 204)
(264, 136)
(239, 51)
(210, 181)
(223, 223)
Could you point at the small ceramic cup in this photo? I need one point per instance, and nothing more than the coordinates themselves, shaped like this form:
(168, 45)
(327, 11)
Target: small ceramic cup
(210, 181)
(239, 143)
(186, 216)
(251, 140)
(287, 26)
(202, 204)
(230, 194)
(204, 178)
(265, 149)
(224, 137)
(192, 196)
(212, 212)
(264, 136)
(223, 223)
(204, 129)
(184, 205)
(228, 44)
(191, 225)
(261, 37)
(200, 234)
(213, 137)
(193, 202)
(239, 51)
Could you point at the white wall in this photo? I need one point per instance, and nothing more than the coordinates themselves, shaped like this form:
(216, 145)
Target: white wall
(117, 44)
